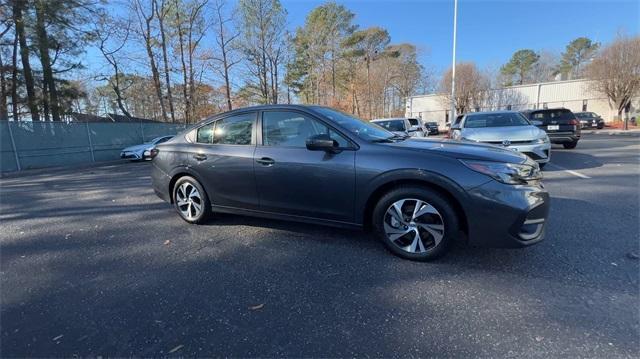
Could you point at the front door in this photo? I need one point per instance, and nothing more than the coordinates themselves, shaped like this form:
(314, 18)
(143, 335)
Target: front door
(223, 158)
(295, 181)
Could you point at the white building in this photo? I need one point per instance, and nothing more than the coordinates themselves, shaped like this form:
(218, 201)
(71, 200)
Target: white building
(573, 94)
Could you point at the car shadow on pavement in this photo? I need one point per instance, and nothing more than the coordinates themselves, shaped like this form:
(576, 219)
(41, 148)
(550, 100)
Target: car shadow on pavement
(571, 160)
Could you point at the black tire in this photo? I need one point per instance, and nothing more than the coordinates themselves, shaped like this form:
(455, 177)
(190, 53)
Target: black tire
(435, 199)
(197, 217)
(570, 145)
(600, 126)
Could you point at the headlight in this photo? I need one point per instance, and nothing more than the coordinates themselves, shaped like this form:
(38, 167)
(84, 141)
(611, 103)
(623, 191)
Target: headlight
(542, 140)
(509, 173)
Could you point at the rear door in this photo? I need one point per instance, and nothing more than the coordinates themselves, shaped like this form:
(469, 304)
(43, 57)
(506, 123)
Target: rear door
(223, 159)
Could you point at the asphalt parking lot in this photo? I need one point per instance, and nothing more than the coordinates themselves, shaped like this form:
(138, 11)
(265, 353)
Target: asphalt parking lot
(93, 263)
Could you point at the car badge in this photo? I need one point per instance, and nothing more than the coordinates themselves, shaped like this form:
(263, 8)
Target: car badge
(506, 143)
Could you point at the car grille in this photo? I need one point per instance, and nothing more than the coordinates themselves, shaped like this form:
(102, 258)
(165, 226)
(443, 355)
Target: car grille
(512, 142)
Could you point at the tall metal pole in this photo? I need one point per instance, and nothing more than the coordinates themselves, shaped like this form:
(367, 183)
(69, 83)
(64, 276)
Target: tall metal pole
(453, 62)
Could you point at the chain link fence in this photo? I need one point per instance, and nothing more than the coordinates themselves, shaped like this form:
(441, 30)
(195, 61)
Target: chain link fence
(26, 145)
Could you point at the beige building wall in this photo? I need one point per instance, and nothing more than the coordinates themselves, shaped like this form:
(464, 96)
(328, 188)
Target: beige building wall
(573, 94)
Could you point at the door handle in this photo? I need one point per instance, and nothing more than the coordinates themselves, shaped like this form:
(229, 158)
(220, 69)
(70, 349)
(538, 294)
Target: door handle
(200, 157)
(266, 161)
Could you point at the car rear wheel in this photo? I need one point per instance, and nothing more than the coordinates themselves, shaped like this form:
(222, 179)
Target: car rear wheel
(570, 145)
(191, 200)
(415, 223)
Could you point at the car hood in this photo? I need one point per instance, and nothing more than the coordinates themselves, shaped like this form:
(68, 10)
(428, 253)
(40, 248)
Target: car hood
(142, 147)
(511, 133)
(461, 150)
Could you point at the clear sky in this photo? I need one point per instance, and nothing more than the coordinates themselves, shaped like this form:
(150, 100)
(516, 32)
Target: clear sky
(488, 31)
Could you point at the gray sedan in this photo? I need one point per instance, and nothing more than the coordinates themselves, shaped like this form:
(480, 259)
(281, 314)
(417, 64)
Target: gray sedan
(318, 165)
(508, 129)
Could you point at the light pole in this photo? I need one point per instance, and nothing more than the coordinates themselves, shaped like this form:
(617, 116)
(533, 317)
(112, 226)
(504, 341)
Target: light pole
(453, 65)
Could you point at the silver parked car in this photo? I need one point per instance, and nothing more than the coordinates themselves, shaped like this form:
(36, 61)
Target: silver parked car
(141, 152)
(401, 126)
(508, 129)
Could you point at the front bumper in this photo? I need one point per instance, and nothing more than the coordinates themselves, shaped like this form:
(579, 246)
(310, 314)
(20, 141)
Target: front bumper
(131, 155)
(563, 137)
(540, 153)
(507, 216)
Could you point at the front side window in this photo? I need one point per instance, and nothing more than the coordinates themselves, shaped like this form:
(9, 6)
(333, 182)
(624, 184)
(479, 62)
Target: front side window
(292, 129)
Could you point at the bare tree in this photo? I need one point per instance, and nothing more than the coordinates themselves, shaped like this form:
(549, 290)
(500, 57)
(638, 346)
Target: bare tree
(471, 87)
(144, 22)
(615, 72)
(225, 39)
(162, 11)
(109, 30)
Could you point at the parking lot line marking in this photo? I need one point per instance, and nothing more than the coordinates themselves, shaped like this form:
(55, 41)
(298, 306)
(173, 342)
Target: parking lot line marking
(577, 174)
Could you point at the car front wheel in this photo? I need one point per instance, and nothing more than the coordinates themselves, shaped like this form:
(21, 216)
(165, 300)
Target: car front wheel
(415, 223)
(191, 200)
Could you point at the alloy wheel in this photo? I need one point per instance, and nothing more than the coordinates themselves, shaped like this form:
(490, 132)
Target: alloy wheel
(413, 225)
(188, 200)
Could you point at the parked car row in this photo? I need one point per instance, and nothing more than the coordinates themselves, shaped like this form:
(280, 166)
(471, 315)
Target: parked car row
(414, 127)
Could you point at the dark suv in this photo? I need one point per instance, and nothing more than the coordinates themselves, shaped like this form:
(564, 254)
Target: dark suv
(561, 125)
(318, 165)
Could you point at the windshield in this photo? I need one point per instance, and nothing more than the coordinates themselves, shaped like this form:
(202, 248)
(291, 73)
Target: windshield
(495, 120)
(391, 125)
(366, 130)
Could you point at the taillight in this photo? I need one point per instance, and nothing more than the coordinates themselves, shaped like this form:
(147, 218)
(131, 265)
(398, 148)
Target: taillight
(153, 153)
(574, 122)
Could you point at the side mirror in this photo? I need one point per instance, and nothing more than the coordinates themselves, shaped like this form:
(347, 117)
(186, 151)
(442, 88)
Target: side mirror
(536, 123)
(322, 142)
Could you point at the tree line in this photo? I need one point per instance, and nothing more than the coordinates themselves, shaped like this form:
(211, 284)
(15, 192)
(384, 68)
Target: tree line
(182, 60)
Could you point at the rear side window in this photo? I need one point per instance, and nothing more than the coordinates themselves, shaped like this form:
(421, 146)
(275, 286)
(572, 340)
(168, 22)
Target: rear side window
(205, 133)
(234, 130)
(413, 122)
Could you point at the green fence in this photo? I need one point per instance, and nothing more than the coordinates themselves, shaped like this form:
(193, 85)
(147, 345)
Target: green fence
(25, 145)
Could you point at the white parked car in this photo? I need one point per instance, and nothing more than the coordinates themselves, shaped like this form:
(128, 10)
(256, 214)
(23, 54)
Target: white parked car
(401, 126)
(508, 129)
(141, 152)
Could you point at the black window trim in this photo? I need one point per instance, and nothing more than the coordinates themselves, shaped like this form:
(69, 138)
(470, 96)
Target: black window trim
(259, 141)
(253, 128)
